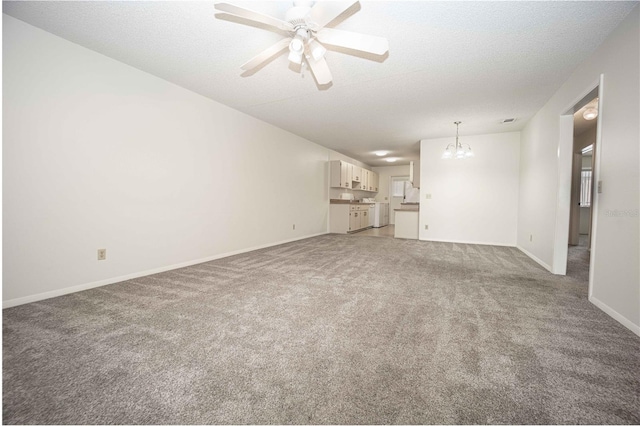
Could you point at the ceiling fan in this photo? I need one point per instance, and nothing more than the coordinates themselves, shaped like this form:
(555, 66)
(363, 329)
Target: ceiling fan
(307, 26)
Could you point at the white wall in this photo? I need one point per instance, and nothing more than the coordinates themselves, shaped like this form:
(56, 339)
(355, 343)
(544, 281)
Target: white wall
(98, 154)
(615, 274)
(472, 200)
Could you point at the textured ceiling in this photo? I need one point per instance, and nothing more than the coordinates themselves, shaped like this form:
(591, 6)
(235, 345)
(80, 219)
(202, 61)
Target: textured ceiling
(477, 62)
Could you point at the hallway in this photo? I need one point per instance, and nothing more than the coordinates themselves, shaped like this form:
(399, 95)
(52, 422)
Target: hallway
(578, 260)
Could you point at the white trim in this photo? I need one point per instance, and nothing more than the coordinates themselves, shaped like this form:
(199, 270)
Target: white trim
(595, 176)
(478, 243)
(67, 290)
(615, 315)
(563, 195)
(536, 259)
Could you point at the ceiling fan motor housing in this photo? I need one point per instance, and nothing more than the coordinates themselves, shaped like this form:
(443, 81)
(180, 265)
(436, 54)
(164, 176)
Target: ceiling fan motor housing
(298, 15)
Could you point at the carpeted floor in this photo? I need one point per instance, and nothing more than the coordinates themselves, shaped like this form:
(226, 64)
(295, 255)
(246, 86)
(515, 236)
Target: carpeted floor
(332, 329)
(578, 260)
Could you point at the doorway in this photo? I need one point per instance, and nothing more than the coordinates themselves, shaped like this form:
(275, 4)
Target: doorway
(585, 129)
(396, 195)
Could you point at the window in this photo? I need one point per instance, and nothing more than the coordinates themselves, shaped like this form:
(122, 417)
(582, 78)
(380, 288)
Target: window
(585, 189)
(398, 188)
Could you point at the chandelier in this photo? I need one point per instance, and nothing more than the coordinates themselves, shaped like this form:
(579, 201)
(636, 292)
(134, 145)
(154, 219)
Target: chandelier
(459, 150)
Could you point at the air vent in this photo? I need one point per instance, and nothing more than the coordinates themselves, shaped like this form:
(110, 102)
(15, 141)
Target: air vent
(508, 120)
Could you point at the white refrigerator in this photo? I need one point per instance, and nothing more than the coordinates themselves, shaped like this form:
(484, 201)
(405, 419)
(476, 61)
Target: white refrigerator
(381, 215)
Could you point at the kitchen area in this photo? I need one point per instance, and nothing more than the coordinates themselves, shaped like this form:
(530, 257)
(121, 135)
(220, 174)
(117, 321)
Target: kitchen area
(359, 203)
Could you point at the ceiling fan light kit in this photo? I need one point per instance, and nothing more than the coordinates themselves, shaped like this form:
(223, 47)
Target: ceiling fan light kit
(307, 24)
(317, 50)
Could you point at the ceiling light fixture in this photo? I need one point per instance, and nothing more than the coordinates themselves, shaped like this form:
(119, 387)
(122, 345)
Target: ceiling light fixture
(308, 29)
(590, 113)
(459, 150)
(381, 153)
(296, 47)
(391, 160)
(317, 50)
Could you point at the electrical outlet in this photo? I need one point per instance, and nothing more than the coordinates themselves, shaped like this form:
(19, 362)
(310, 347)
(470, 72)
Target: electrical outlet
(530, 237)
(426, 227)
(428, 196)
(294, 226)
(102, 254)
(599, 187)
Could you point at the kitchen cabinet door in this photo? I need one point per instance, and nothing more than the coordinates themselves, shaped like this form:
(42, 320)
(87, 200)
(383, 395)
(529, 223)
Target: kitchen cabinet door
(340, 174)
(364, 184)
(364, 218)
(357, 174)
(354, 220)
(376, 181)
(345, 174)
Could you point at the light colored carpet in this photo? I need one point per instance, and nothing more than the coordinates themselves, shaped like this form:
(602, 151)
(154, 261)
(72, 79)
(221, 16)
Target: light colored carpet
(332, 329)
(578, 260)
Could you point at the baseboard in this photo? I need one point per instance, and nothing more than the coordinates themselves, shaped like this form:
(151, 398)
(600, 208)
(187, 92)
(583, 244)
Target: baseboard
(615, 315)
(477, 243)
(536, 259)
(74, 289)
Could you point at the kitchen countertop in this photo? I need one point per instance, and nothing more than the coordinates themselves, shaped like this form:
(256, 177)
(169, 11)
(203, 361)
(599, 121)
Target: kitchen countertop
(338, 201)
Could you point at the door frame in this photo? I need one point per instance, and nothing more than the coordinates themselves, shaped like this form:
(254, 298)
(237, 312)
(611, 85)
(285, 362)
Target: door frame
(565, 157)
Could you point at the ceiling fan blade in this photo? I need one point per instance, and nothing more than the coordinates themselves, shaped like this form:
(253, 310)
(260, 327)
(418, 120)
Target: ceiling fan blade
(254, 16)
(320, 70)
(324, 13)
(267, 54)
(356, 41)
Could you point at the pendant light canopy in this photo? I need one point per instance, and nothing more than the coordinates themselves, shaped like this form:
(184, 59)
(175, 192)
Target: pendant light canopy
(459, 150)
